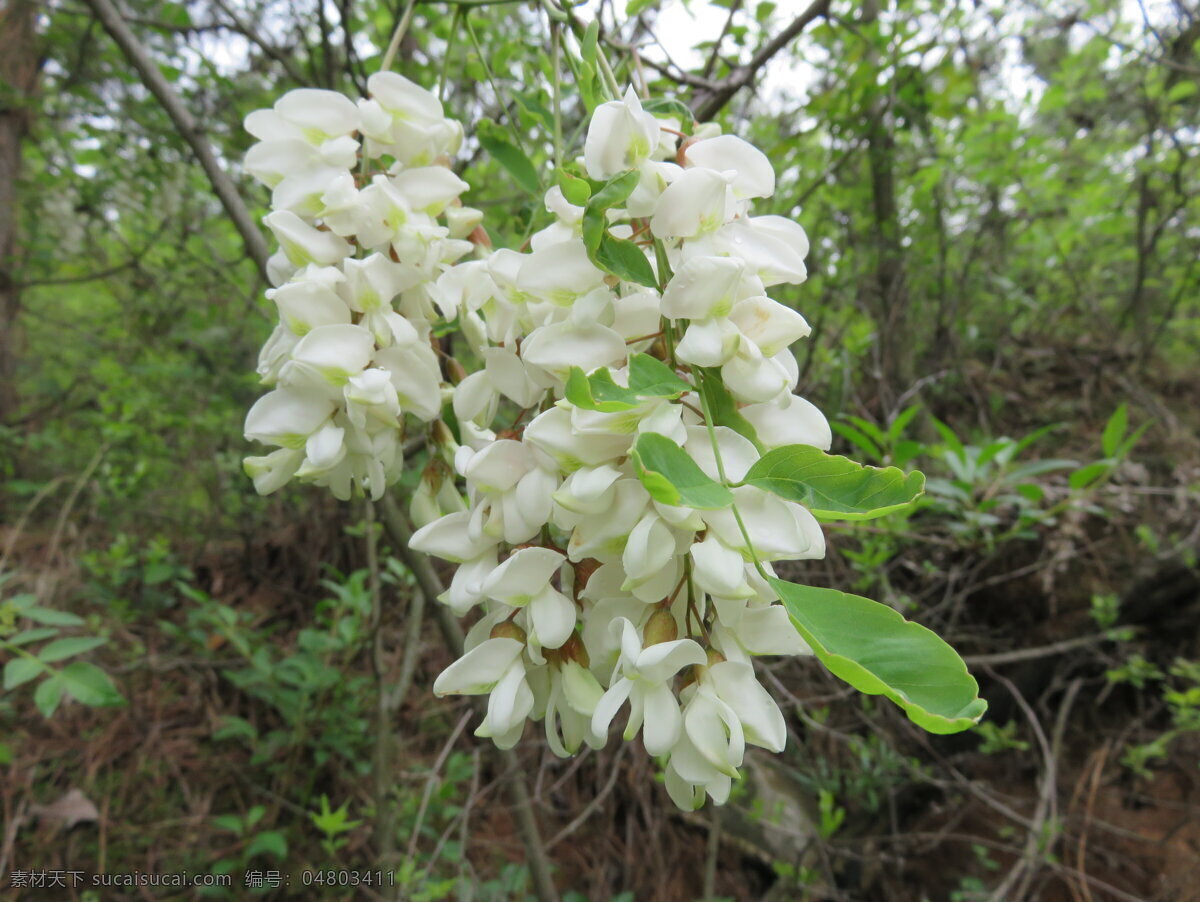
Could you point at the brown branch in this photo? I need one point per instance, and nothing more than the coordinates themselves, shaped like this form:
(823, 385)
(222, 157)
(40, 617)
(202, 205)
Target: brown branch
(708, 104)
(246, 31)
(189, 130)
(431, 584)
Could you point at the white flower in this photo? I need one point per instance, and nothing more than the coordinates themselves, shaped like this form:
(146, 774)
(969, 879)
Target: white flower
(749, 171)
(621, 135)
(641, 677)
(286, 417)
(304, 244)
(306, 114)
(524, 580)
(494, 667)
(574, 694)
(778, 529)
(698, 201)
(310, 300)
(790, 420)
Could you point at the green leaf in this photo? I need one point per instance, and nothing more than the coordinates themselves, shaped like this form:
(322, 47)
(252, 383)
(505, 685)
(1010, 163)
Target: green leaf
(636, 7)
(232, 727)
(271, 842)
(625, 260)
(21, 670)
(724, 407)
(90, 685)
(230, 822)
(49, 694)
(672, 477)
(576, 190)
(52, 617)
(65, 648)
(508, 155)
(1086, 476)
(832, 487)
(587, 45)
(26, 636)
(1181, 91)
(953, 442)
(875, 650)
(1114, 431)
(595, 227)
(669, 106)
(648, 378)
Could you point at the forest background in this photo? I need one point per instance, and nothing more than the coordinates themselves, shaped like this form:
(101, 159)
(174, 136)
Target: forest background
(1002, 203)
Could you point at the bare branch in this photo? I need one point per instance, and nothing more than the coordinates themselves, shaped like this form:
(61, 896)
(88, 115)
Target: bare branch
(709, 103)
(246, 31)
(156, 83)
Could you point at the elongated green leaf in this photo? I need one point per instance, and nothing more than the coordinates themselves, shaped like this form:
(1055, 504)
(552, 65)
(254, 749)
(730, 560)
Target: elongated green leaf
(877, 651)
(26, 636)
(90, 685)
(672, 477)
(575, 189)
(48, 694)
(669, 106)
(21, 670)
(635, 7)
(509, 156)
(65, 648)
(651, 378)
(611, 194)
(625, 260)
(648, 378)
(52, 617)
(1114, 431)
(832, 487)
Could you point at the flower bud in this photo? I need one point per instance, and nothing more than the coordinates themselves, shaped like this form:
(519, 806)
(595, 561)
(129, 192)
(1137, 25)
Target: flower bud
(661, 627)
(508, 630)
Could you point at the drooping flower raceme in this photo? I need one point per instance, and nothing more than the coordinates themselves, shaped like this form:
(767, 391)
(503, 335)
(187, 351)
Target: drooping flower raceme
(637, 321)
(365, 209)
(628, 599)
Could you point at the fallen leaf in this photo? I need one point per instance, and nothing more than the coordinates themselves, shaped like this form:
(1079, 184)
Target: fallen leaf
(72, 808)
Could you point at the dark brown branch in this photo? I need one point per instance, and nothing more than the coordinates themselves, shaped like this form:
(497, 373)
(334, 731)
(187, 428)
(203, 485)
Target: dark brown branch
(189, 130)
(246, 31)
(708, 103)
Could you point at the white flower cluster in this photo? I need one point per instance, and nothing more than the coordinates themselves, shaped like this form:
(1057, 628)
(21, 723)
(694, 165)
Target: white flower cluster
(366, 212)
(593, 592)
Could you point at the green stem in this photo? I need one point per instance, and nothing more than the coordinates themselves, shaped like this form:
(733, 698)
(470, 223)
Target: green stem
(393, 47)
(451, 46)
(483, 60)
(555, 62)
(712, 437)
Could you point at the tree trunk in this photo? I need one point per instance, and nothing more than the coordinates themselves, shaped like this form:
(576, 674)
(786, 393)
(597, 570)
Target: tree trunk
(896, 354)
(18, 76)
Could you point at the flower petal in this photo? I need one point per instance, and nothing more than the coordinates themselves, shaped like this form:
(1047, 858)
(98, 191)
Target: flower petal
(663, 722)
(553, 617)
(480, 669)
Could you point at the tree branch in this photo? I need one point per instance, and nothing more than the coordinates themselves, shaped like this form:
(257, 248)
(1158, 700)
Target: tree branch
(708, 103)
(156, 83)
(431, 584)
(248, 32)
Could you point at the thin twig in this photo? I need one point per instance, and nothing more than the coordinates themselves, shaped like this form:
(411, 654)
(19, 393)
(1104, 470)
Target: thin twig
(708, 104)
(189, 130)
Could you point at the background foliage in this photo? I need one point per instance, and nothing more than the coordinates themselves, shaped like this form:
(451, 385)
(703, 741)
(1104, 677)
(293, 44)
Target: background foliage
(1002, 205)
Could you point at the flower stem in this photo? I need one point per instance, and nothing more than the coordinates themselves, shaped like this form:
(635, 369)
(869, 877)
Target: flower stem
(393, 47)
